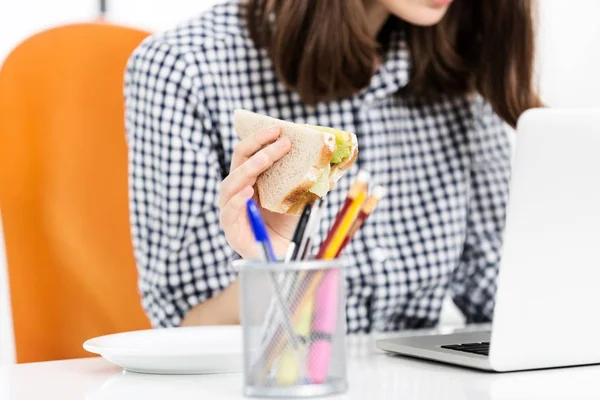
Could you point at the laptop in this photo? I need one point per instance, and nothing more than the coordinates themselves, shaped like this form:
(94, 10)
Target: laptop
(547, 311)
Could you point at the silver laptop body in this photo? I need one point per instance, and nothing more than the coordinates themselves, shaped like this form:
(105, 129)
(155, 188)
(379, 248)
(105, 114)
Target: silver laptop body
(547, 311)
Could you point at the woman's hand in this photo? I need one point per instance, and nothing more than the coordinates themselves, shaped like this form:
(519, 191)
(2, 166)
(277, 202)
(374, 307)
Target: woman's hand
(249, 160)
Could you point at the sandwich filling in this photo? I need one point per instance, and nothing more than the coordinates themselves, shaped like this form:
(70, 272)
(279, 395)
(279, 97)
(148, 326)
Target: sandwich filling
(321, 186)
(343, 151)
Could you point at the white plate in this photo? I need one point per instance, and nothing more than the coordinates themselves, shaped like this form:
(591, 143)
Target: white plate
(195, 350)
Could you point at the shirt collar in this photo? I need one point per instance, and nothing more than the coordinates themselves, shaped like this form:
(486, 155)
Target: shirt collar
(394, 71)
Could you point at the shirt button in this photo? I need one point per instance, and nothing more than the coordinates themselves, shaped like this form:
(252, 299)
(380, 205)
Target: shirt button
(380, 254)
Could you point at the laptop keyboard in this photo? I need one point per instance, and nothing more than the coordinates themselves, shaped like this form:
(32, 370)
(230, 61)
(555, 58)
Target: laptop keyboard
(482, 348)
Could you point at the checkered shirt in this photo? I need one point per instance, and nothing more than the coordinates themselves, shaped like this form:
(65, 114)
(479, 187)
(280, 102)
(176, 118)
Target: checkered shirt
(446, 164)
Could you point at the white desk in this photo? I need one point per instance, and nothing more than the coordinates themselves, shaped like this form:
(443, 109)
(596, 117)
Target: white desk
(373, 375)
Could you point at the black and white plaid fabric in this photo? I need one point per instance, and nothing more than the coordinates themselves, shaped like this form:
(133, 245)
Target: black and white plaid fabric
(445, 164)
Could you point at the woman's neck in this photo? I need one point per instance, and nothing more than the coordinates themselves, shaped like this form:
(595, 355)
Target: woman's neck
(377, 14)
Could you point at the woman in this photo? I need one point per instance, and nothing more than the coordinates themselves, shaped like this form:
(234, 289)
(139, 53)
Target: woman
(425, 84)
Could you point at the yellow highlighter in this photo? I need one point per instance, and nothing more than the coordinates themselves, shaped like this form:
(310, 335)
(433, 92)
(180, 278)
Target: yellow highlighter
(291, 364)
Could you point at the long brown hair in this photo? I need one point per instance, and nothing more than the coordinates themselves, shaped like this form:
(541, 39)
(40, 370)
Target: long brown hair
(479, 46)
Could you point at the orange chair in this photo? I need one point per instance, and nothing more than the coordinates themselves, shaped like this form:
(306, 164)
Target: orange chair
(63, 190)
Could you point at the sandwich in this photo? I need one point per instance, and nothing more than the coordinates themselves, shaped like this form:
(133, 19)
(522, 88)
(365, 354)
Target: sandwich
(317, 160)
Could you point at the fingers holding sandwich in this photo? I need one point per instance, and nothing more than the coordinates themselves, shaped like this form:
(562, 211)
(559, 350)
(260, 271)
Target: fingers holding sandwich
(249, 161)
(251, 157)
(252, 144)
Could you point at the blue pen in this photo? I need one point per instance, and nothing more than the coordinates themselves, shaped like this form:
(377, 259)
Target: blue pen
(260, 231)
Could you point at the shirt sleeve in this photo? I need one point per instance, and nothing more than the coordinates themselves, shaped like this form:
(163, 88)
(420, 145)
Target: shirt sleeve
(181, 253)
(473, 286)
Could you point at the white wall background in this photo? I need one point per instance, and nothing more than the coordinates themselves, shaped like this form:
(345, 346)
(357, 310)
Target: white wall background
(569, 52)
(568, 55)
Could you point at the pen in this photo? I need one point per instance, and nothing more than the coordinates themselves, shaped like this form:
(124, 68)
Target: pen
(298, 236)
(311, 227)
(270, 327)
(261, 235)
(259, 229)
(274, 340)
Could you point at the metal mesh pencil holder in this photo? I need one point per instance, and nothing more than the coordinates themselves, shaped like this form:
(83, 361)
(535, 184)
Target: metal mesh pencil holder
(294, 321)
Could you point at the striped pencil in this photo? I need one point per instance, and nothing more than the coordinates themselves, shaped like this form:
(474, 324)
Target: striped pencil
(378, 193)
(358, 189)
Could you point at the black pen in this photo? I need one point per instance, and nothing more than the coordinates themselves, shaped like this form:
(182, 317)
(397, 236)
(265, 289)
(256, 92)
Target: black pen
(311, 228)
(292, 251)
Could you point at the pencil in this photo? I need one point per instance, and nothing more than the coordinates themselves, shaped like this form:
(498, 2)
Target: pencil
(335, 237)
(359, 186)
(325, 286)
(378, 193)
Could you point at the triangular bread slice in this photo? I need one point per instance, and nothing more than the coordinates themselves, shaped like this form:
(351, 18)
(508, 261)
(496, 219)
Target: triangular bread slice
(287, 182)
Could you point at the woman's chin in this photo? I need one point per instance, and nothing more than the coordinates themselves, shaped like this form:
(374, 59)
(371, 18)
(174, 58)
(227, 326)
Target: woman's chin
(428, 16)
(421, 13)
